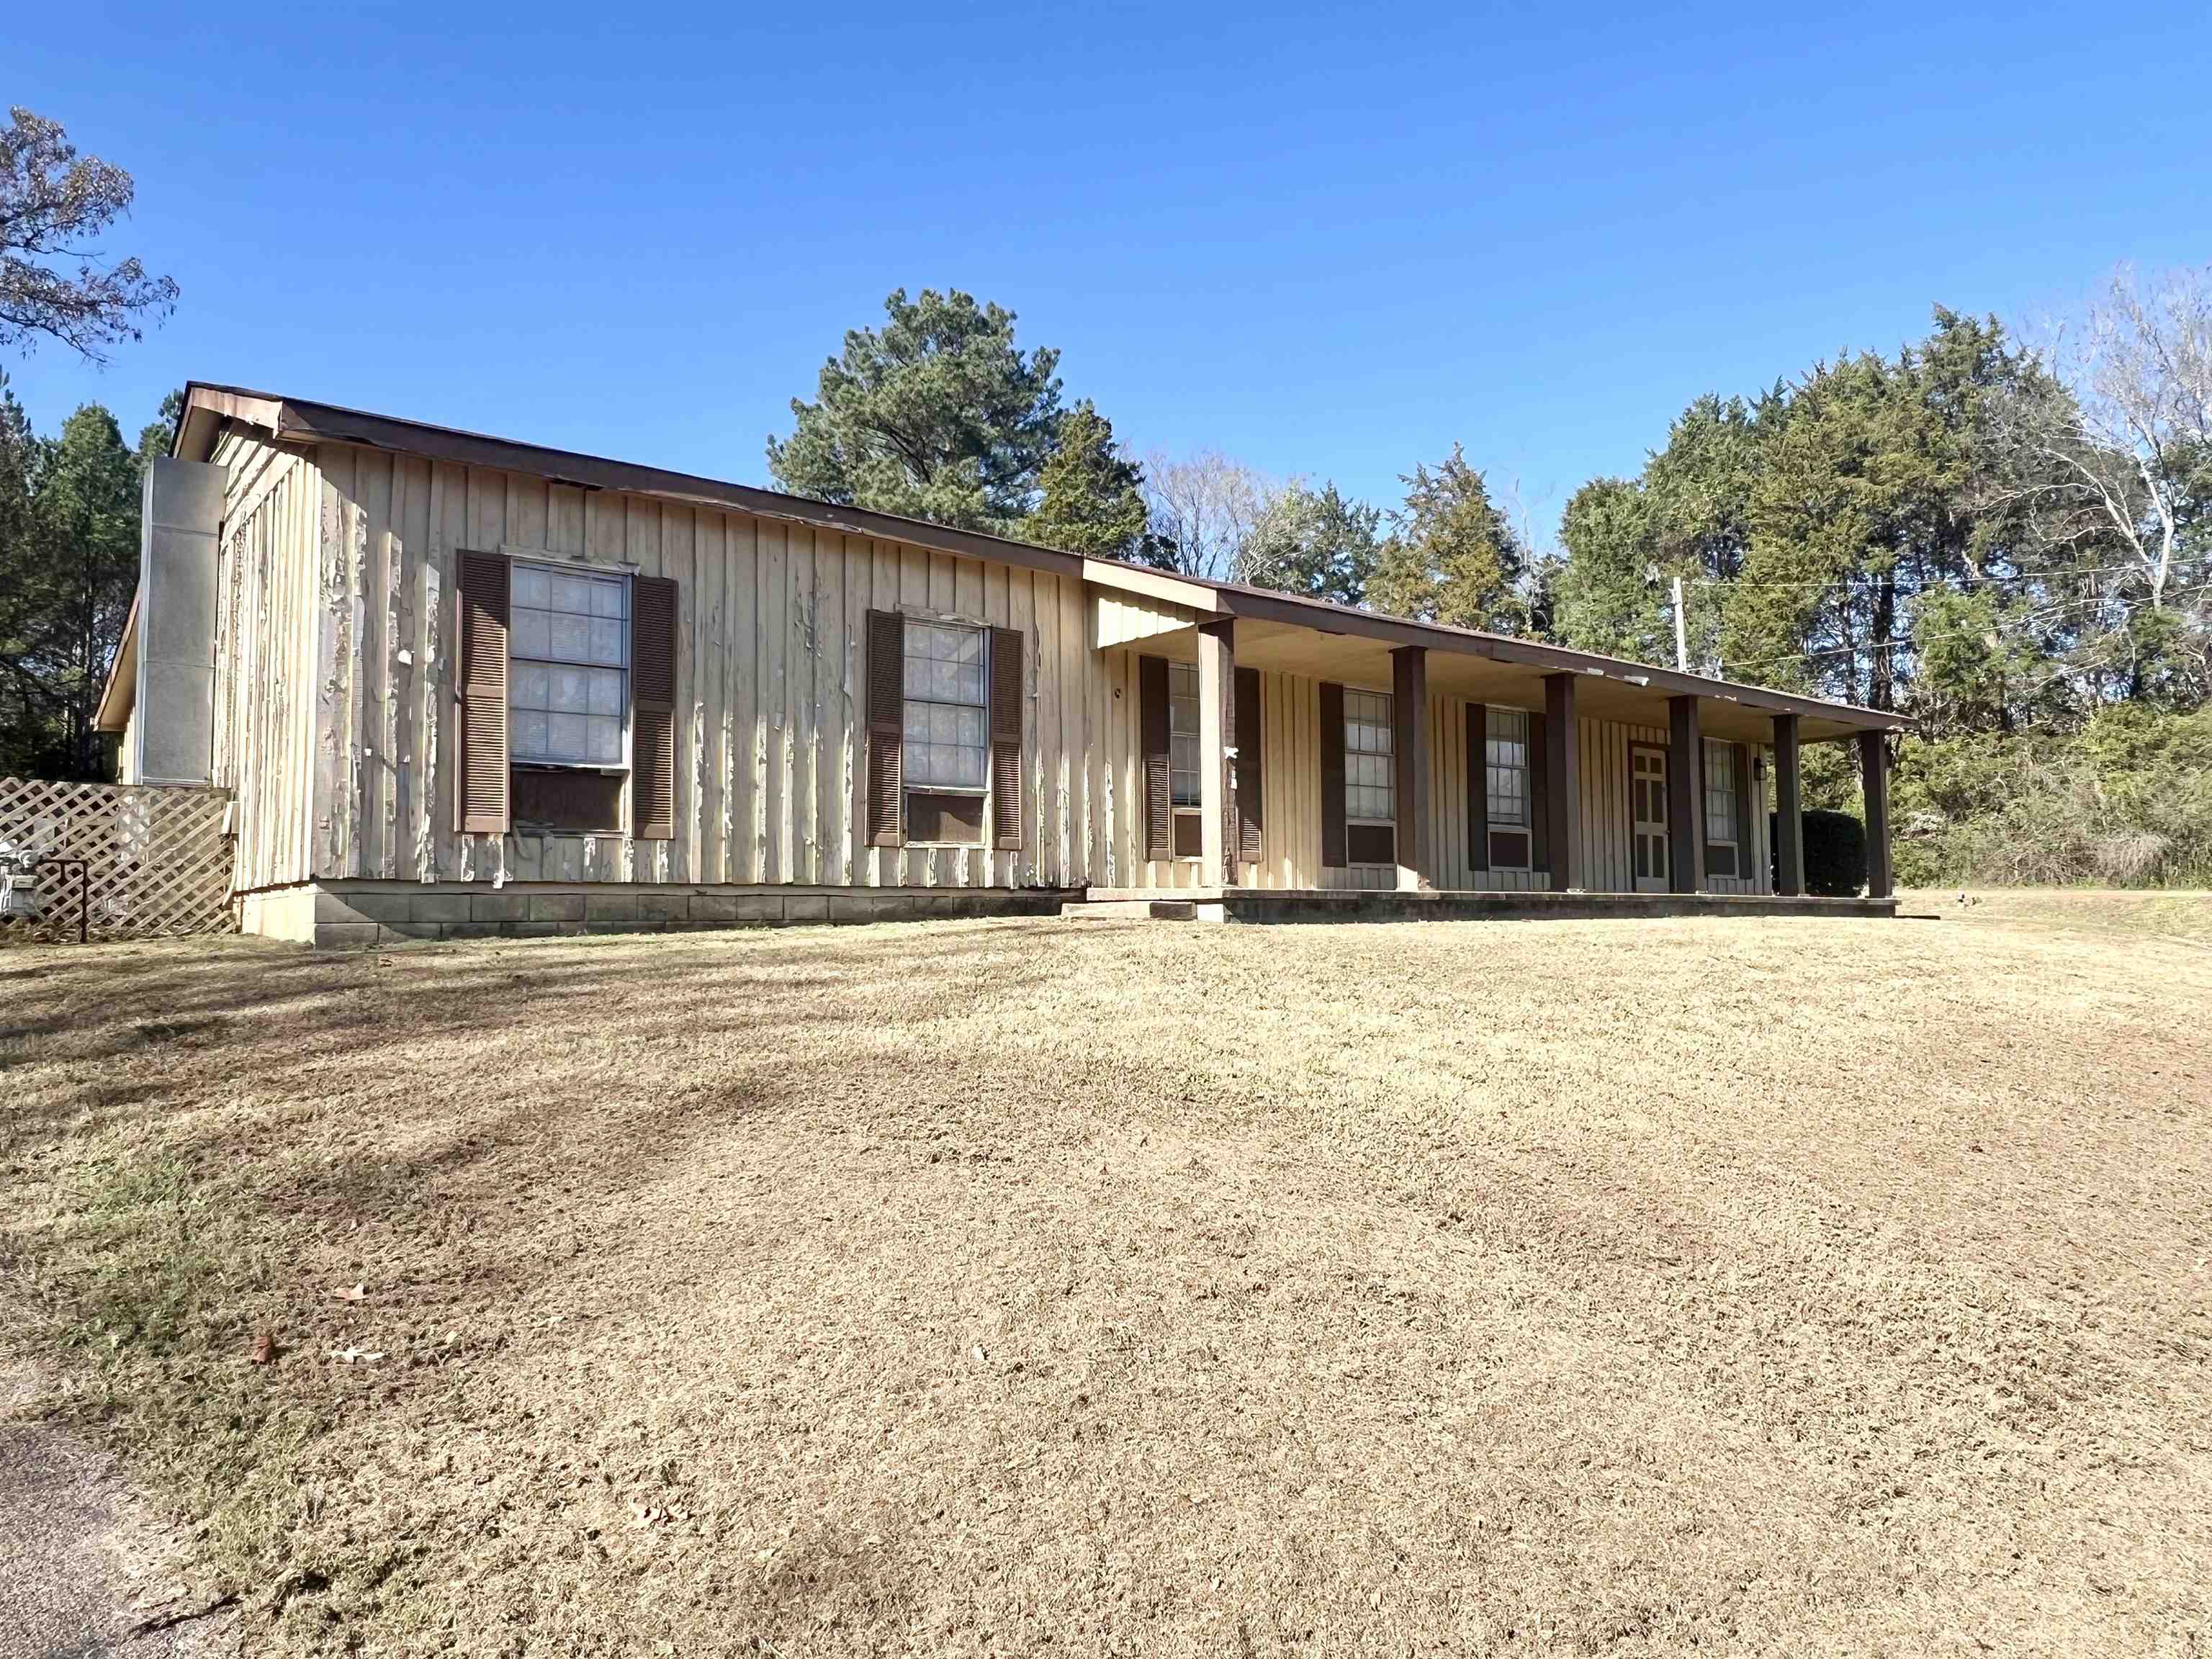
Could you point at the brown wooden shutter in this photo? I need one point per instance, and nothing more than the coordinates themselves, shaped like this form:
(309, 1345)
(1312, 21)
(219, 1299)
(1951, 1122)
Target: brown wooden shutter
(1478, 786)
(1250, 811)
(1152, 740)
(1333, 854)
(886, 693)
(1539, 799)
(1008, 670)
(480, 805)
(1743, 861)
(652, 699)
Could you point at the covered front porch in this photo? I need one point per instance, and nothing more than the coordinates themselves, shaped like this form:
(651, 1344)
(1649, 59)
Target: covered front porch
(1465, 772)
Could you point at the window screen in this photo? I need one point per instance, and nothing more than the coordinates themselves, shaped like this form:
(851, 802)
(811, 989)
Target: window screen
(568, 673)
(946, 746)
(1506, 763)
(1182, 734)
(1721, 785)
(1370, 773)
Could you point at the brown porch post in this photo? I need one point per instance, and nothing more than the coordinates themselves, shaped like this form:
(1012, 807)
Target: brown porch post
(1873, 772)
(1788, 808)
(1409, 699)
(1685, 797)
(1563, 793)
(1216, 686)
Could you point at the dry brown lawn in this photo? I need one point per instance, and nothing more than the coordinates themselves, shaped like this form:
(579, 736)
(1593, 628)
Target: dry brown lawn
(1620, 1287)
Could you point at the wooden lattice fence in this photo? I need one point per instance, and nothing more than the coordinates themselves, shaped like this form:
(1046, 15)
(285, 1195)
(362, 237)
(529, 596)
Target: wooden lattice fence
(157, 860)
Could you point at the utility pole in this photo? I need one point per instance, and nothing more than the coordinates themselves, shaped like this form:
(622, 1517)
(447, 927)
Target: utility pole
(1681, 633)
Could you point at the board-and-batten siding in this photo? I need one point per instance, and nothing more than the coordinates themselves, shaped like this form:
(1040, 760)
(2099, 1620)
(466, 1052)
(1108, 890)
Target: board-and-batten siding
(771, 624)
(771, 621)
(1118, 619)
(1607, 850)
(1290, 778)
(267, 633)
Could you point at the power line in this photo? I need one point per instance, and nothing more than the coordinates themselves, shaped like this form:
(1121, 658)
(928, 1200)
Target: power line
(1956, 633)
(1937, 585)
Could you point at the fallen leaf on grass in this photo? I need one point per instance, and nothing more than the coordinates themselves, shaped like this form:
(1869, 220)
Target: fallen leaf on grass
(264, 1347)
(350, 1293)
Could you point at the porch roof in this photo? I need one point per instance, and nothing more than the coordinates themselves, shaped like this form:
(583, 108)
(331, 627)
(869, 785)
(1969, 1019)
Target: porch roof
(1290, 634)
(1285, 631)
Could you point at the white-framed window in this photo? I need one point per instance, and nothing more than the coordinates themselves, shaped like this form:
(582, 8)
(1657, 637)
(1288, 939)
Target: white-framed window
(1505, 766)
(1371, 772)
(567, 683)
(1183, 782)
(947, 748)
(1720, 786)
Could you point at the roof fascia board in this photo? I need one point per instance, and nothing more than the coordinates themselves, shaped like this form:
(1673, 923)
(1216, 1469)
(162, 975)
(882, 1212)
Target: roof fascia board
(305, 422)
(1325, 618)
(288, 420)
(122, 675)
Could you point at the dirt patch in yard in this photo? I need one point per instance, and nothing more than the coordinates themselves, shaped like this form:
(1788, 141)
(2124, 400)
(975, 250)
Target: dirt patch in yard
(1620, 1286)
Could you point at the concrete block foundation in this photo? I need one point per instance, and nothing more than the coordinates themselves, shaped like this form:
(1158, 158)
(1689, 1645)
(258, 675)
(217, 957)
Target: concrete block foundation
(353, 915)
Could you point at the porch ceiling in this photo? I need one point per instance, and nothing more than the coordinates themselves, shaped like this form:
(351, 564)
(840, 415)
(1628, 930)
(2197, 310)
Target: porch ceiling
(1612, 694)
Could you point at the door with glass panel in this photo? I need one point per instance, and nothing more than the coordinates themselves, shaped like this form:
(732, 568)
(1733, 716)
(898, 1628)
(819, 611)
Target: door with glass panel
(1647, 814)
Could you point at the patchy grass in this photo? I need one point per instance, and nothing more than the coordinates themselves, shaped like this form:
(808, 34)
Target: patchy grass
(1625, 1286)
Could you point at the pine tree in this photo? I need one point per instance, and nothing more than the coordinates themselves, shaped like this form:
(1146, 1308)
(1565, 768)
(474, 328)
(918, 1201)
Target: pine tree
(1093, 499)
(1320, 544)
(939, 416)
(1452, 557)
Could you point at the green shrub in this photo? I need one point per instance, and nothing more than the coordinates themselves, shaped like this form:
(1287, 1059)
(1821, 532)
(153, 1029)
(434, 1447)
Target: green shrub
(1835, 854)
(2126, 800)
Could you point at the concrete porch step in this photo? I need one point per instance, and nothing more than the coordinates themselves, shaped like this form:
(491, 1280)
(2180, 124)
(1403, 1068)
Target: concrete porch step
(1130, 909)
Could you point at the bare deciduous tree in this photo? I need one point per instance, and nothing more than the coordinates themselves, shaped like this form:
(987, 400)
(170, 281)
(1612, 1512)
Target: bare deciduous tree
(54, 206)
(2139, 365)
(1203, 509)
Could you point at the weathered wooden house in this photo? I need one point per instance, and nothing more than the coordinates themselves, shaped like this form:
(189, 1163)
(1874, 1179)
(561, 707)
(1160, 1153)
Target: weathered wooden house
(460, 685)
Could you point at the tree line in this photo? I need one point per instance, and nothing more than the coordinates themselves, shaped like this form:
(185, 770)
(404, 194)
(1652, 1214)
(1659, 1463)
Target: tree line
(68, 502)
(69, 564)
(939, 415)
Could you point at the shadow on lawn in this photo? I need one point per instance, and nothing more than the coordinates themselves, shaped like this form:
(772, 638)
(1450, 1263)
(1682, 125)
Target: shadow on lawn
(199, 1146)
(354, 1093)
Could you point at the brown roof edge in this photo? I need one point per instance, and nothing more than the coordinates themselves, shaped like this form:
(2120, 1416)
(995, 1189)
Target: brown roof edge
(121, 691)
(1325, 617)
(293, 420)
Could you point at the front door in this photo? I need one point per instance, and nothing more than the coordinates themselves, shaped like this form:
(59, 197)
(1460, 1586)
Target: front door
(1647, 811)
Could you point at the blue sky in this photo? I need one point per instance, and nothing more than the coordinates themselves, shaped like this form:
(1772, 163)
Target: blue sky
(1325, 242)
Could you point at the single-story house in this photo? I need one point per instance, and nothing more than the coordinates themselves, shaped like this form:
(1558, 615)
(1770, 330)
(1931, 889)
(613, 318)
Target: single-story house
(460, 685)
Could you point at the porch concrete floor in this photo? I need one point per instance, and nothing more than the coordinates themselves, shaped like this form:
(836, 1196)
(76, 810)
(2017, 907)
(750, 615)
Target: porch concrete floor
(1343, 904)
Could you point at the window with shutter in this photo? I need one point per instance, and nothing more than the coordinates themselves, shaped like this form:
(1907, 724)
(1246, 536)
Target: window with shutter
(947, 740)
